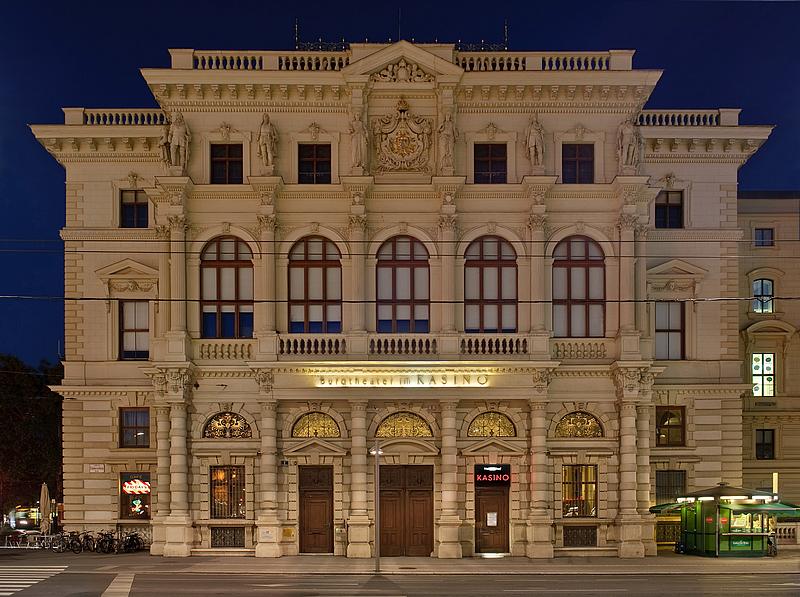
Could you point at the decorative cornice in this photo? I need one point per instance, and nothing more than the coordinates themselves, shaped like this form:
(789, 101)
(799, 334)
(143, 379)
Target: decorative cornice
(110, 234)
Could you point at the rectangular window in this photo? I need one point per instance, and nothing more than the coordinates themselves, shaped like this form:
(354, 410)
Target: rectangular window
(762, 367)
(763, 293)
(134, 496)
(765, 444)
(577, 163)
(669, 331)
(491, 163)
(314, 163)
(134, 427)
(134, 330)
(670, 426)
(133, 209)
(764, 237)
(669, 209)
(227, 490)
(579, 490)
(227, 163)
(670, 485)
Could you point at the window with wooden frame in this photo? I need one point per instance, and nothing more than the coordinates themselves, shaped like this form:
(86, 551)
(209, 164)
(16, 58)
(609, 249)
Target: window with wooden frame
(314, 163)
(762, 369)
(765, 444)
(403, 281)
(134, 330)
(577, 163)
(227, 163)
(490, 286)
(670, 330)
(670, 426)
(227, 492)
(579, 490)
(226, 282)
(764, 237)
(134, 427)
(579, 288)
(669, 209)
(133, 207)
(315, 286)
(490, 163)
(763, 295)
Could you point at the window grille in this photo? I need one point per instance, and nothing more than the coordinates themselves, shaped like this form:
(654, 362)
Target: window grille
(491, 424)
(579, 424)
(670, 485)
(580, 536)
(227, 536)
(579, 491)
(227, 488)
(316, 424)
(404, 424)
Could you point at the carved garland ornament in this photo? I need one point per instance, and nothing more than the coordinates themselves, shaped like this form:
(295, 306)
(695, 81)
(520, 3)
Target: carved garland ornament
(316, 424)
(227, 425)
(402, 141)
(579, 424)
(402, 72)
(491, 424)
(404, 424)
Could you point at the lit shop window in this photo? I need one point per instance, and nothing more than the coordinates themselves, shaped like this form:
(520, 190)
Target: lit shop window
(134, 496)
(763, 372)
(579, 490)
(227, 491)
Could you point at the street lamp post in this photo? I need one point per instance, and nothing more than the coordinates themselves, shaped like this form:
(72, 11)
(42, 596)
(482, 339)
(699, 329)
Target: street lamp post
(376, 452)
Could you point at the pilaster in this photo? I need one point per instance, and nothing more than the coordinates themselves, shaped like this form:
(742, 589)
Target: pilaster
(539, 526)
(358, 535)
(268, 521)
(449, 521)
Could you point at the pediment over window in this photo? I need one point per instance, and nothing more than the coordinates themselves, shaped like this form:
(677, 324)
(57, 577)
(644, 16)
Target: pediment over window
(421, 66)
(128, 276)
(771, 328)
(315, 446)
(493, 444)
(409, 446)
(675, 275)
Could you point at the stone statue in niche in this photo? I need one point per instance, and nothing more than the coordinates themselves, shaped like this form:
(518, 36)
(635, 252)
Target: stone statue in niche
(163, 144)
(534, 142)
(628, 147)
(447, 140)
(359, 141)
(179, 139)
(267, 143)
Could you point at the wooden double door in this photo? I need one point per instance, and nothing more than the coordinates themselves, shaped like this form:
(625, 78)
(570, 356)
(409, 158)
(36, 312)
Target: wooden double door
(406, 500)
(315, 485)
(491, 519)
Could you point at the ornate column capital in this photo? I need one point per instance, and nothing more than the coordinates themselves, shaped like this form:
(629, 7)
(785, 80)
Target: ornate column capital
(448, 222)
(447, 406)
(541, 380)
(537, 222)
(265, 378)
(178, 223)
(357, 224)
(162, 410)
(268, 407)
(267, 223)
(174, 382)
(627, 222)
(358, 406)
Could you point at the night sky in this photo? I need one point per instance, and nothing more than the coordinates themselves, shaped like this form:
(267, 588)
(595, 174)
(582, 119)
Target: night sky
(54, 54)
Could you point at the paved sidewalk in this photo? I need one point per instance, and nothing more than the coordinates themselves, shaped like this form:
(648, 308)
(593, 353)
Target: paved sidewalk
(788, 562)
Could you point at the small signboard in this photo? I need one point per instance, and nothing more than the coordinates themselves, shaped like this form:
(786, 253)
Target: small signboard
(97, 468)
(492, 474)
(491, 519)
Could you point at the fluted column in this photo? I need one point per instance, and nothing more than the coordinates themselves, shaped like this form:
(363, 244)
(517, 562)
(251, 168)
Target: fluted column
(447, 249)
(358, 227)
(539, 530)
(449, 521)
(358, 524)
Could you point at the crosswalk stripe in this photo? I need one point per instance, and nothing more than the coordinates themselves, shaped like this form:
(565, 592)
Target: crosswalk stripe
(14, 579)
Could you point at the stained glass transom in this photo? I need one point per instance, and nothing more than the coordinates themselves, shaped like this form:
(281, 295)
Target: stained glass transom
(491, 424)
(227, 425)
(316, 424)
(579, 424)
(404, 424)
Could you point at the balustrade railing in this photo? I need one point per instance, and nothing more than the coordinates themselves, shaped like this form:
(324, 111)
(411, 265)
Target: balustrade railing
(575, 61)
(311, 345)
(494, 345)
(580, 349)
(256, 60)
(788, 534)
(122, 117)
(560, 61)
(224, 350)
(678, 118)
(313, 61)
(399, 344)
(491, 61)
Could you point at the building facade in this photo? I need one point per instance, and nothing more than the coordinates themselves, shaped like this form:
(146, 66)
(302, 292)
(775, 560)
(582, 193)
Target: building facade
(490, 267)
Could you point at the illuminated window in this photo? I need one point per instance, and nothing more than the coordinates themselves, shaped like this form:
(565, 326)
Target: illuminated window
(134, 496)
(316, 424)
(763, 295)
(490, 286)
(226, 280)
(579, 490)
(227, 492)
(491, 424)
(670, 485)
(402, 279)
(762, 368)
(315, 286)
(670, 426)
(227, 425)
(404, 424)
(134, 427)
(579, 288)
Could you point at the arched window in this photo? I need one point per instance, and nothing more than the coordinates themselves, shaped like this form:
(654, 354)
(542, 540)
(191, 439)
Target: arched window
(402, 280)
(490, 286)
(491, 424)
(404, 424)
(670, 426)
(763, 293)
(579, 424)
(579, 288)
(315, 286)
(226, 282)
(315, 424)
(227, 425)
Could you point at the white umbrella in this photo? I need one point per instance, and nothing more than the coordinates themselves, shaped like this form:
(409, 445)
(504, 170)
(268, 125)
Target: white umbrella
(44, 510)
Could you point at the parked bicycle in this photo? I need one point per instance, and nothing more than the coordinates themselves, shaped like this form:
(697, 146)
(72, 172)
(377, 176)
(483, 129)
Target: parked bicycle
(131, 542)
(106, 542)
(67, 541)
(87, 541)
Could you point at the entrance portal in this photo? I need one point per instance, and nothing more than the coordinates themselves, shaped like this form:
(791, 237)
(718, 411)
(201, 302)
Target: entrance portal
(406, 524)
(316, 509)
(492, 483)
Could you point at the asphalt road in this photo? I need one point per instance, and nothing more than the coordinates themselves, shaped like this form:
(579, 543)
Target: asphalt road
(146, 584)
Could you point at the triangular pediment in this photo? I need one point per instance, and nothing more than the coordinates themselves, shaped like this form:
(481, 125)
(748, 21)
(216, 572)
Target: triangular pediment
(127, 269)
(408, 445)
(493, 444)
(676, 268)
(424, 61)
(315, 445)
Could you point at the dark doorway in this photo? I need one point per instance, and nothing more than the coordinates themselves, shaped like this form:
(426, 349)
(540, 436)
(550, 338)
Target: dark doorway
(406, 510)
(316, 509)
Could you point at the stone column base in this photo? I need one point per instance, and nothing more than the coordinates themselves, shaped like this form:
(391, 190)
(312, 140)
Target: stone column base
(268, 537)
(178, 534)
(159, 537)
(449, 540)
(539, 535)
(649, 535)
(358, 545)
(630, 538)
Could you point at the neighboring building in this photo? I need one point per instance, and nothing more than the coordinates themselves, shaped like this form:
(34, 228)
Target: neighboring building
(448, 252)
(770, 351)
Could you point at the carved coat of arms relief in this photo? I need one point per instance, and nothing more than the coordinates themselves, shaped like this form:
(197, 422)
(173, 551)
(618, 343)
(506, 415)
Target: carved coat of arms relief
(402, 141)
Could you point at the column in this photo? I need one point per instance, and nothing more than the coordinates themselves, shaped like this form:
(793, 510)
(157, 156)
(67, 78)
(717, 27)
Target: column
(537, 223)
(626, 273)
(642, 321)
(630, 531)
(643, 478)
(269, 528)
(177, 256)
(163, 324)
(447, 250)
(178, 461)
(178, 526)
(162, 479)
(539, 533)
(266, 340)
(449, 521)
(358, 248)
(358, 534)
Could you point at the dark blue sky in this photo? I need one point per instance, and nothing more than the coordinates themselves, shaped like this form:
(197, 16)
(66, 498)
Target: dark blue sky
(54, 54)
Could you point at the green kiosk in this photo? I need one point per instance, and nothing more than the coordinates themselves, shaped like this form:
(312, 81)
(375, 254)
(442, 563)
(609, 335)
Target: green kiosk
(727, 521)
